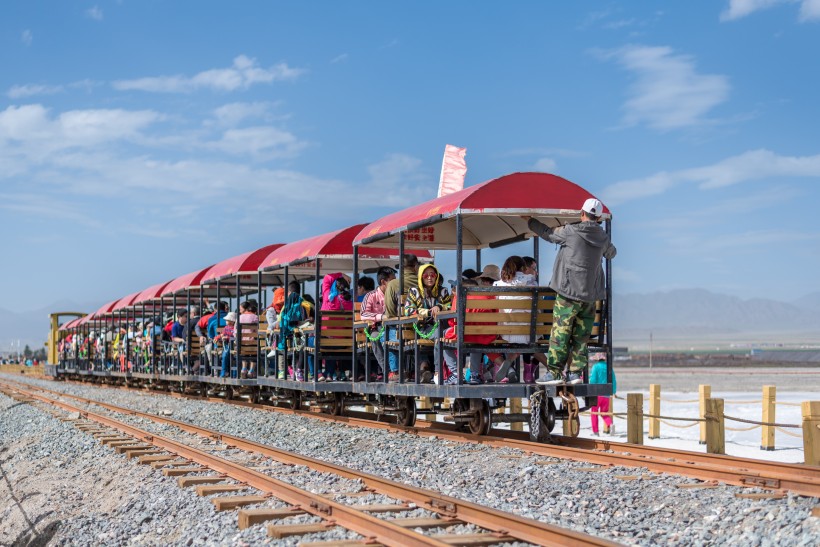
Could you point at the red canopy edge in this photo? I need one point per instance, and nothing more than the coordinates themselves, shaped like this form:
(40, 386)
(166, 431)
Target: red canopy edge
(530, 194)
(192, 279)
(338, 243)
(246, 262)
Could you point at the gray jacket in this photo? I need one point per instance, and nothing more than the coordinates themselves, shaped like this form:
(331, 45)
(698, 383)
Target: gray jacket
(577, 273)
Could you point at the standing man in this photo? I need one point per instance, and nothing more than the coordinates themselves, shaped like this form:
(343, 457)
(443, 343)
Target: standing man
(578, 278)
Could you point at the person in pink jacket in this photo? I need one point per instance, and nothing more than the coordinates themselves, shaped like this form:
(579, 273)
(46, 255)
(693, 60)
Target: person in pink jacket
(336, 296)
(336, 293)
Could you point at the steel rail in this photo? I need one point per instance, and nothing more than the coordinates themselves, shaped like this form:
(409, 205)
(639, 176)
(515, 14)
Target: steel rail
(797, 478)
(508, 524)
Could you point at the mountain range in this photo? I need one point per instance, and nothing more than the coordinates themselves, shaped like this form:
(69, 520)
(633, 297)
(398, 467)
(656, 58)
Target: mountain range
(682, 314)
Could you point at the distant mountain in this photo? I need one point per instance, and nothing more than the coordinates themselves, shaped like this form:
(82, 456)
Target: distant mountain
(694, 312)
(809, 301)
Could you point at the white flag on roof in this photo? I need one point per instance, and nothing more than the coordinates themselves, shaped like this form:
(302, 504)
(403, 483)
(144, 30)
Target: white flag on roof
(453, 170)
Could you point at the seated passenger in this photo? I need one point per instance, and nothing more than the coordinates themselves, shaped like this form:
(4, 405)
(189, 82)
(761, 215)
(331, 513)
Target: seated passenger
(225, 337)
(426, 301)
(364, 286)
(373, 314)
(335, 297)
(247, 316)
(512, 275)
(292, 316)
(451, 334)
(393, 304)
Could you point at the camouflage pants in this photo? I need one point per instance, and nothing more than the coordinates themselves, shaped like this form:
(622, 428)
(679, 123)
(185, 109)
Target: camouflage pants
(571, 328)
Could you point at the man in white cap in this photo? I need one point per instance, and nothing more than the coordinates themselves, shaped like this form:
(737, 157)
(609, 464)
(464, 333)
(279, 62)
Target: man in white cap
(578, 278)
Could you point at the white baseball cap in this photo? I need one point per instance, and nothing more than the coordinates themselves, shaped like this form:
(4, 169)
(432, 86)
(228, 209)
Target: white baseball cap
(593, 207)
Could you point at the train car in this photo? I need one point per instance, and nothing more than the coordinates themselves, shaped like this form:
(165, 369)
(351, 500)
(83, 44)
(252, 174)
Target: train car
(506, 321)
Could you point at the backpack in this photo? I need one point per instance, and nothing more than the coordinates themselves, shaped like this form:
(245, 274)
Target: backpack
(203, 321)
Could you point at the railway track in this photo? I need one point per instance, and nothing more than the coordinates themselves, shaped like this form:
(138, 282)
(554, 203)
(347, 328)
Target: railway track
(181, 459)
(775, 476)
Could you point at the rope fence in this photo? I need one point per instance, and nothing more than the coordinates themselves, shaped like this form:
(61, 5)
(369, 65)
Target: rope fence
(712, 420)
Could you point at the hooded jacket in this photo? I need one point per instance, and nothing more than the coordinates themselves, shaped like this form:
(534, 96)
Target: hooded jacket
(418, 297)
(392, 306)
(577, 273)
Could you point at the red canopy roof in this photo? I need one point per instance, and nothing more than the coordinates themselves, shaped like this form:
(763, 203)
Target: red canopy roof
(105, 309)
(70, 324)
(491, 211)
(185, 282)
(248, 262)
(150, 294)
(335, 249)
(124, 302)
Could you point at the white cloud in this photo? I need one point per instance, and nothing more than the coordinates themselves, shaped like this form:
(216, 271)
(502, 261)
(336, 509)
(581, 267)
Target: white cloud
(29, 90)
(340, 58)
(749, 166)
(94, 13)
(668, 92)
(741, 8)
(737, 9)
(546, 165)
(244, 73)
(262, 143)
(230, 115)
(31, 126)
(810, 10)
(27, 37)
(399, 179)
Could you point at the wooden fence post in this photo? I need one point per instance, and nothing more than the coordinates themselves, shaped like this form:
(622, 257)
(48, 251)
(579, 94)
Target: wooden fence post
(654, 410)
(767, 431)
(634, 418)
(705, 391)
(715, 432)
(811, 432)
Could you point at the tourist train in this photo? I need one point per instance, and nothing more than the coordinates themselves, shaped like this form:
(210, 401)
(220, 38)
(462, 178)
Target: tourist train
(464, 360)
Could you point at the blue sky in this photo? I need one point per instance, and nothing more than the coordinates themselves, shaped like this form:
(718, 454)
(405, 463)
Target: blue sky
(141, 140)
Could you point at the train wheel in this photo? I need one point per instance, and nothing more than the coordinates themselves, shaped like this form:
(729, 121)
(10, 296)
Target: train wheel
(461, 405)
(295, 400)
(228, 393)
(256, 394)
(337, 404)
(407, 411)
(482, 419)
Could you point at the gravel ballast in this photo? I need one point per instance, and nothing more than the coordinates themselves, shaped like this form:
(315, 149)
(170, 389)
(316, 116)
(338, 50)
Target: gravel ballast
(62, 486)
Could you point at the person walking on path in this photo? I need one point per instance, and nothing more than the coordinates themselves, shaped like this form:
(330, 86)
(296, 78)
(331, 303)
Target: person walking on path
(597, 375)
(578, 280)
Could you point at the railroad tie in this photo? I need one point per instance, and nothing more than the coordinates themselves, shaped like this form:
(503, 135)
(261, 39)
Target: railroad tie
(474, 540)
(172, 463)
(232, 502)
(249, 517)
(178, 471)
(185, 482)
(155, 458)
(279, 531)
